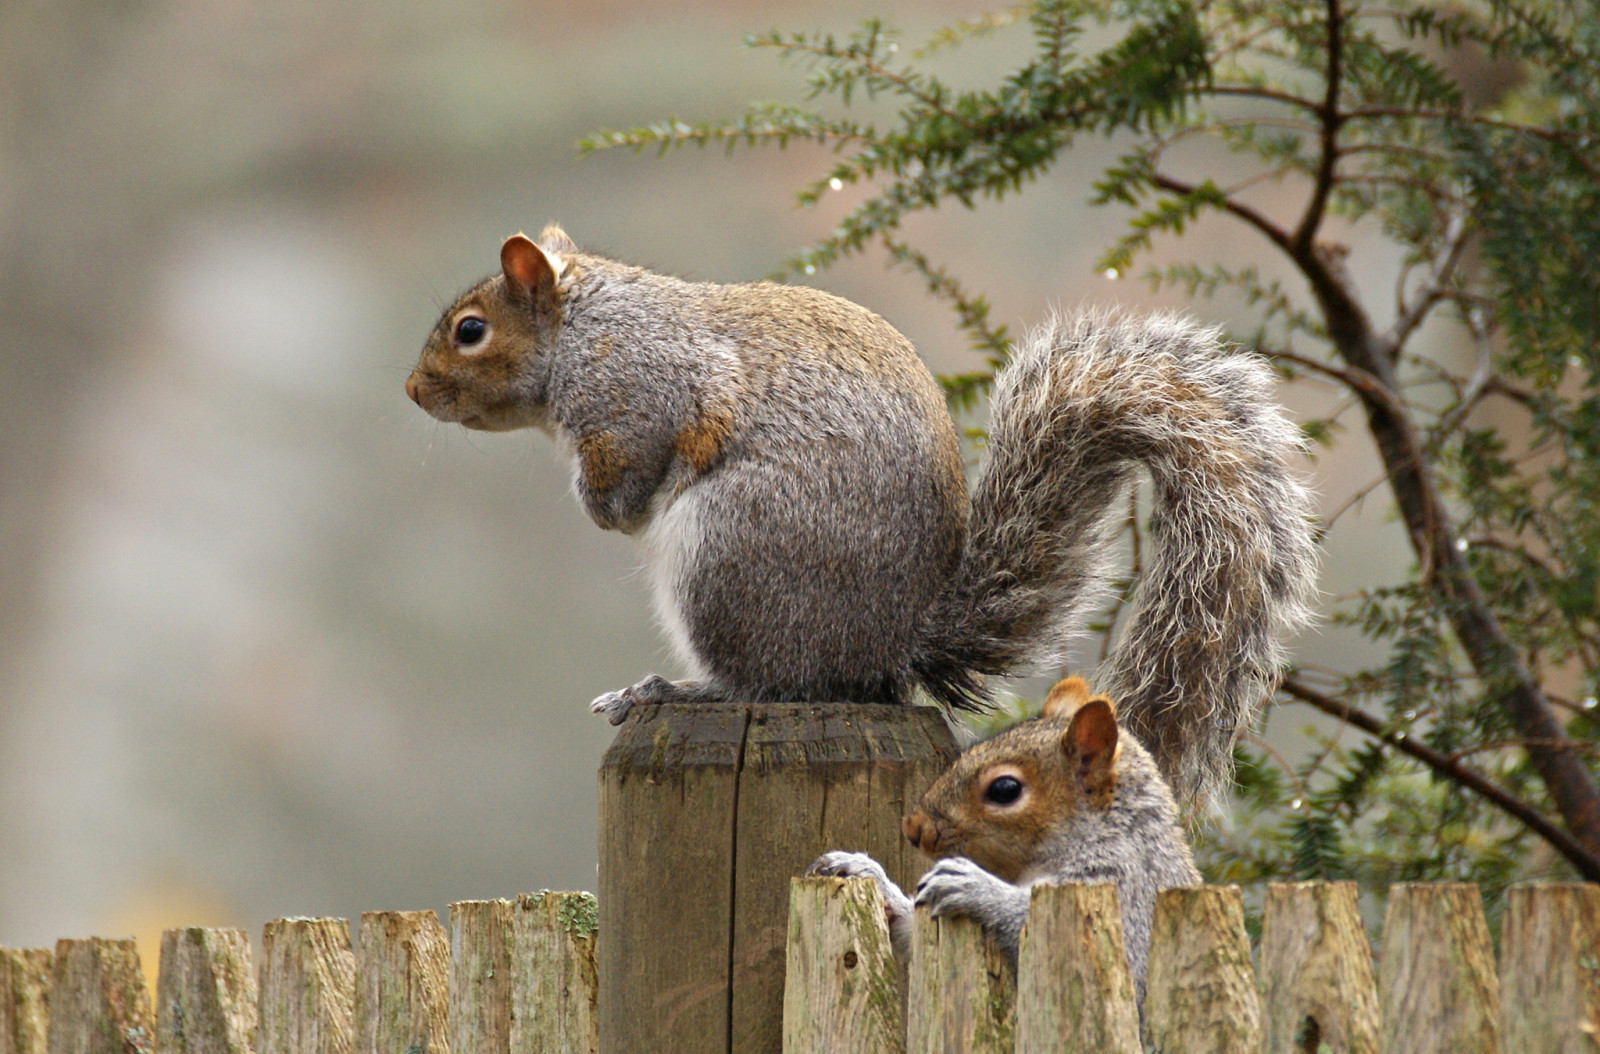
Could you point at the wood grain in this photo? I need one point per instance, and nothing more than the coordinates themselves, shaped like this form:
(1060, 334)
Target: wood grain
(402, 984)
(843, 989)
(1200, 994)
(98, 1000)
(1436, 977)
(1074, 991)
(1550, 969)
(25, 999)
(308, 987)
(206, 993)
(554, 980)
(962, 990)
(1316, 971)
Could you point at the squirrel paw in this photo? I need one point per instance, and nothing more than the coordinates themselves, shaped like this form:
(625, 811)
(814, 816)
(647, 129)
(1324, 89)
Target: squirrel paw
(614, 706)
(896, 905)
(957, 886)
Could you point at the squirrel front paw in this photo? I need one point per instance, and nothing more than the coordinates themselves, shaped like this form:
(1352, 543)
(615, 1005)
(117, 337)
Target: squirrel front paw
(957, 886)
(896, 905)
(614, 706)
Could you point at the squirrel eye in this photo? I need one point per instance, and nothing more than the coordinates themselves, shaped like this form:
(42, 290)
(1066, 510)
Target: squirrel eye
(1004, 790)
(470, 330)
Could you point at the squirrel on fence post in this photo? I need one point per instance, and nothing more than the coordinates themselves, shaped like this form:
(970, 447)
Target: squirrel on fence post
(790, 467)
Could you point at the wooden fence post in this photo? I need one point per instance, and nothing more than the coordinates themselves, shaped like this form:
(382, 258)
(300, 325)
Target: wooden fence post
(480, 977)
(25, 1000)
(308, 987)
(706, 812)
(206, 996)
(553, 978)
(98, 1000)
(1074, 992)
(1436, 979)
(1550, 969)
(402, 984)
(1200, 994)
(961, 994)
(842, 988)
(1316, 971)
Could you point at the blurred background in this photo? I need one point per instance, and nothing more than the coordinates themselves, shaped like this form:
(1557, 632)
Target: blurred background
(274, 642)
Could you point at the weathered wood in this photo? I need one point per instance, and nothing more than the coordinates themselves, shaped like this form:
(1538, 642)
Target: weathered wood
(25, 1000)
(98, 1000)
(206, 994)
(1200, 993)
(1436, 979)
(1316, 971)
(961, 994)
(480, 977)
(736, 800)
(402, 984)
(1550, 969)
(1074, 992)
(554, 985)
(842, 988)
(308, 987)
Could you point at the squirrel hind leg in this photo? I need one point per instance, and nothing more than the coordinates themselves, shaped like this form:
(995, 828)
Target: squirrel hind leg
(652, 691)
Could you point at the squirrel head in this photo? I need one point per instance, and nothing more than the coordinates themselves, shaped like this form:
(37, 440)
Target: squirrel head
(479, 367)
(1006, 796)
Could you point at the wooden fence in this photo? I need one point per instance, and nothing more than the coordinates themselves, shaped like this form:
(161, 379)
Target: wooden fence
(518, 976)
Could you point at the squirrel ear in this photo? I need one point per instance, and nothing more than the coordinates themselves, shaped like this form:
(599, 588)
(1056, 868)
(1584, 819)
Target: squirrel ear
(555, 239)
(528, 268)
(1066, 697)
(1091, 738)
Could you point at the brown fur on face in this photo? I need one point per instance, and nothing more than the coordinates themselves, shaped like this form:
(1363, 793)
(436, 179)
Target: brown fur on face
(1065, 763)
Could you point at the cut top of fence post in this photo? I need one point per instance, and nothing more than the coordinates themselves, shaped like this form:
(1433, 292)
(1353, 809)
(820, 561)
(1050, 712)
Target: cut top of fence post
(1316, 970)
(1200, 994)
(25, 1000)
(1550, 969)
(1436, 978)
(98, 1000)
(402, 984)
(1074, 991)
(308, 987)
(206, 996)
(842, 987)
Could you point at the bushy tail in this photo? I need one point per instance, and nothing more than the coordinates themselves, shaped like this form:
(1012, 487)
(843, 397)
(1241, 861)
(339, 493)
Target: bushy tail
(1085, 402)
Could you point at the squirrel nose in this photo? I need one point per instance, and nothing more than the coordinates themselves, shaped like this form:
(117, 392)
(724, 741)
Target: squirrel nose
(411, 389)
(920, 832)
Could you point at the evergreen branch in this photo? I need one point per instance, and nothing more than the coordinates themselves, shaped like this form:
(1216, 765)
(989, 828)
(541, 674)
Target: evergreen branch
(1586, 862)
(1330, 120)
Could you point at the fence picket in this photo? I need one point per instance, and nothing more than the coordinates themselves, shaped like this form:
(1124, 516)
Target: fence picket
(206, 995)
(402, 984)
(98, 1000)
(1550, 969)
(308, 988)
(1074, 992)
(842, 987)
(1316, 970)
(480, 977)
(1439, 994)
(554, 989)
(1200, 995)
(25, 999)
(961, 992)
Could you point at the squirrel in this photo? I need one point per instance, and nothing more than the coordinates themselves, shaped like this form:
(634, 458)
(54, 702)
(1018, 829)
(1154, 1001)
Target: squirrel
(791, 469)
(1065, 797)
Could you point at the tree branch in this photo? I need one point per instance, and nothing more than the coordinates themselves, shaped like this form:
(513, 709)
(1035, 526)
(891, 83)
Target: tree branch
(1586, 862)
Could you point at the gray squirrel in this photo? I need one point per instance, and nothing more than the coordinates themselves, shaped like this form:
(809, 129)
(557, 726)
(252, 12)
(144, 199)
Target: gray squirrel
(1062, 798)
(790, 468)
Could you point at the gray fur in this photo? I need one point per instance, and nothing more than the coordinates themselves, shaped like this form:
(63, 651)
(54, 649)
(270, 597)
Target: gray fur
(1134, 843)
(1085, 403)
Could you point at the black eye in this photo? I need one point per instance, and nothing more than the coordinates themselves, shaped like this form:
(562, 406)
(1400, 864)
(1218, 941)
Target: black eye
(1004, 790)
(470, 330)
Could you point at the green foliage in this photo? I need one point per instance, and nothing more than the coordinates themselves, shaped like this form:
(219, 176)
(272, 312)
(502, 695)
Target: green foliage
(1369, 114)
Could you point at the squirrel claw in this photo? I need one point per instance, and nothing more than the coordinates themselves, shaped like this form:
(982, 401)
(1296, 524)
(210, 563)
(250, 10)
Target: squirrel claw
(614, 706)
